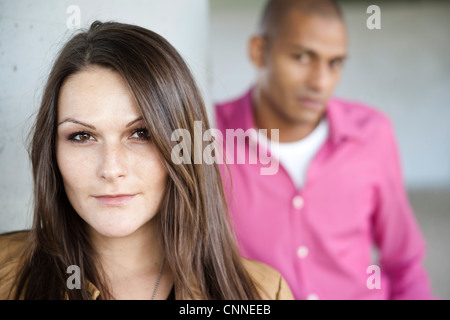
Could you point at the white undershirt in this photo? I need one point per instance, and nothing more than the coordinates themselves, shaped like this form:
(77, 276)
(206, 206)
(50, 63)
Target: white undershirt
(296, 156)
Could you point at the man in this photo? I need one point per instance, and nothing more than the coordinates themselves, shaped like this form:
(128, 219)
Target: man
(338, 192)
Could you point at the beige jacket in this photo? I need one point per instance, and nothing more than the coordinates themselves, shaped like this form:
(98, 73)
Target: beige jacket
(272, 285)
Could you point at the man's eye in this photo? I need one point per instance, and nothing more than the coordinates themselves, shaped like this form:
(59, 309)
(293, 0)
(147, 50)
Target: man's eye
(337, 63)
(302, 57)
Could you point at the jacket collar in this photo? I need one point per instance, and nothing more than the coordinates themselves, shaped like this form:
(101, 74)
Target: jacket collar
(94, 292)
(92, 289)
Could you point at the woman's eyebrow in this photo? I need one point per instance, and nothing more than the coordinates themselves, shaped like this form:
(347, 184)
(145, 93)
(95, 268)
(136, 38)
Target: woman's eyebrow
(133, 122)
(77, 122)
(93, 127)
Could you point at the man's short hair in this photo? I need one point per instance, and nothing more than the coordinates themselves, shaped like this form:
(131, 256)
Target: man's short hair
(275, 11)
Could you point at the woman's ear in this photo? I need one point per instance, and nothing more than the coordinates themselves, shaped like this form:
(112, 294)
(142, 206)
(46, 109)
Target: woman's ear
(256, 50)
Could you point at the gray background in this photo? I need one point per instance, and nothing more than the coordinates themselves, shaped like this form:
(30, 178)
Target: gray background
(402, 69)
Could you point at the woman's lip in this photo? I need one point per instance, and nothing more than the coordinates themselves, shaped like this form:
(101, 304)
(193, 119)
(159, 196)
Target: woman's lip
(115, 200)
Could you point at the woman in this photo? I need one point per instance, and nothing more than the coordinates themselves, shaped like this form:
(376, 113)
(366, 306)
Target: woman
(109, 202)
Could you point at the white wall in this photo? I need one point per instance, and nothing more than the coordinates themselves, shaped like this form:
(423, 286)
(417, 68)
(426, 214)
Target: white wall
(402, 69)
(31, 32)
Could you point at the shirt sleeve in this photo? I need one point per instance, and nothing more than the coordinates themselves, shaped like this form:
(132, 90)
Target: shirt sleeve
(397, 234)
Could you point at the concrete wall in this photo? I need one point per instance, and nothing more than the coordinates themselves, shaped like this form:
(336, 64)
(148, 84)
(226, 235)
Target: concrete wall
(402, 69)
(31, 33)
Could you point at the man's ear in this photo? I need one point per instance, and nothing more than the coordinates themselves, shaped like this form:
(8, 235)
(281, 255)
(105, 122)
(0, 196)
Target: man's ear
(256, 50)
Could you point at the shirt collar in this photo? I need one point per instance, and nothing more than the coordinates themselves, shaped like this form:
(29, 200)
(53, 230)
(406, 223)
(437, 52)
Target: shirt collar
(248, 119)
(341, 128)
(340, 121)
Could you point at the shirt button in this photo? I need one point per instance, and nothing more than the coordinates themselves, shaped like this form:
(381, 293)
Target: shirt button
(298, 202)
(302, 252)
(312, 296)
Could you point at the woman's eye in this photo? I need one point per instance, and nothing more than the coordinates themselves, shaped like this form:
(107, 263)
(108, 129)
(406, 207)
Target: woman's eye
(81, 137)
(141, 134)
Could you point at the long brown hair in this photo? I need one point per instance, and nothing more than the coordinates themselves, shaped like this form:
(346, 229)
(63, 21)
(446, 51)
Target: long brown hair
(195, 233)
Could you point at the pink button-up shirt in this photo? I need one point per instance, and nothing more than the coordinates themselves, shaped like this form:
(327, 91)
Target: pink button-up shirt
(321, 237)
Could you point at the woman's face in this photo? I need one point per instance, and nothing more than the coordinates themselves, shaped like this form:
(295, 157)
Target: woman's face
(113, 175)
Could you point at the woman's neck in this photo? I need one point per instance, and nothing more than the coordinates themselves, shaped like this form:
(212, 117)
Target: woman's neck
(132, 264)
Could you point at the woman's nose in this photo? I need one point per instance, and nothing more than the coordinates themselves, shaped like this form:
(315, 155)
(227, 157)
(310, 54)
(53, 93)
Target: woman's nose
(112, 164)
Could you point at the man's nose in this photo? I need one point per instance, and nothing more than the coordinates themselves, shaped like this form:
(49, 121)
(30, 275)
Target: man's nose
(319, 77)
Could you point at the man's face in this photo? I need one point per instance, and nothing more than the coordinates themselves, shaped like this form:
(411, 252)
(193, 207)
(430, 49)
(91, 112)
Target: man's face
(301, 66)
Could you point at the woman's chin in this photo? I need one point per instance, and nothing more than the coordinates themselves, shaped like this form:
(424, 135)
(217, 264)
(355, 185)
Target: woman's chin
(115, 230)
